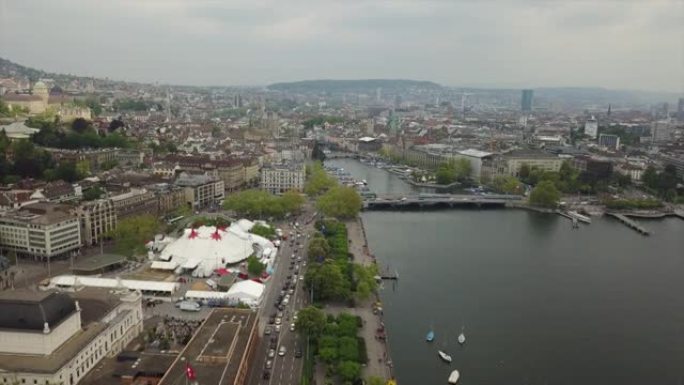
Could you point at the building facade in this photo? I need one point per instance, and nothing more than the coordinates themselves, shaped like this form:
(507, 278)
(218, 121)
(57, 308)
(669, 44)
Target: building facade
(137, 201)
(279, 179)
(201, 191)
(57, 343)
(97, 218)
(40, 231)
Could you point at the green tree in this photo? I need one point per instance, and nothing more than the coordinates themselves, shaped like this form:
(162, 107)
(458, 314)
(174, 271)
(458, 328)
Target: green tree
(311, 321)
(340, 202)
(328, 281)
(264, 231)
(254, 267)
(318, 180)
(318, 247)
(349, 371)
(93, 193)
(507, 185)
(132, 233)
(292, 201)
(348, 349)
(445, 174)
(545, 194)
(462, 169)
(366, 283)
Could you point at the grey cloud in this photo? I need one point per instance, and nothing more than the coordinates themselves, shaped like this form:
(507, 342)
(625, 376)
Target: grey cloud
(613, 44)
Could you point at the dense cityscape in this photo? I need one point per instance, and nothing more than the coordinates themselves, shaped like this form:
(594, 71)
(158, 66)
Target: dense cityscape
(375, 231)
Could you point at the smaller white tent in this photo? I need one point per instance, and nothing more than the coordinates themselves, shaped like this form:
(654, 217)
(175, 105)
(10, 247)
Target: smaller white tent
(247, 292)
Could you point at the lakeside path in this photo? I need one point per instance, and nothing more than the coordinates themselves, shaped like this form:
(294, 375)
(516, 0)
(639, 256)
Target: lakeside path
(379, 361)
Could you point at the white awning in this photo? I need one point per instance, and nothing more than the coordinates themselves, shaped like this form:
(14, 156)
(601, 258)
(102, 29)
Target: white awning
(161, 265)
(204, 294)
(112, 283)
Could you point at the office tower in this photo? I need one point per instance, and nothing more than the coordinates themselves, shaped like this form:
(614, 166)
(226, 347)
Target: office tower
(526, 102)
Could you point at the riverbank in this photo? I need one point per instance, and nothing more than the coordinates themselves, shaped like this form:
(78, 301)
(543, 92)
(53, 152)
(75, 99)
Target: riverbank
(380, 363)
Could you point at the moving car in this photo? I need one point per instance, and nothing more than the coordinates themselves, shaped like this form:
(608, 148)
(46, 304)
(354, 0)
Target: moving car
(298, 352)
(267, 331)
(292, 327)
(271, 353)
(269, 364)
(282, 351)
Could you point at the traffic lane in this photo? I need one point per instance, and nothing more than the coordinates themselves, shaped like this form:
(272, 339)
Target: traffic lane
(267, 308)
(281, 268)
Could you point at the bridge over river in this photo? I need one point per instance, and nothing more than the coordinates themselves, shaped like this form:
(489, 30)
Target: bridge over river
(437, 201)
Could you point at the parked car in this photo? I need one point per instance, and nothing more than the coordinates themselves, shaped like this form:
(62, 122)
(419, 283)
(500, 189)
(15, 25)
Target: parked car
(267, 374)
(277, 328)
(292, 327)
(278, 321)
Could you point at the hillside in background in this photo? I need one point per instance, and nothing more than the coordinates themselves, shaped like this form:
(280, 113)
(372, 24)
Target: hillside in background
(353, 86)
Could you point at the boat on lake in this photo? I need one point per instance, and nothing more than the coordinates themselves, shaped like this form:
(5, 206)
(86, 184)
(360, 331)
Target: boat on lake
(430, 336)
(444, 356)
(461, 337)
(453, 377)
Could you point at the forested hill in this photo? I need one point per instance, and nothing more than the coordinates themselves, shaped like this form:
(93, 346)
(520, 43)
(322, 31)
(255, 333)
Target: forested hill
(353, 86)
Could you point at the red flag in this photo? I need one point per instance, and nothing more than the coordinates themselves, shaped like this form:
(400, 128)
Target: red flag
(190, 372)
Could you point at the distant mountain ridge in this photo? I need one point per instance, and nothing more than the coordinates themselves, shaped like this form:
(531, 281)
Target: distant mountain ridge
(360, 85)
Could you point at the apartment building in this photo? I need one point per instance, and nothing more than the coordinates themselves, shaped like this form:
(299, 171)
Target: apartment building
(201, 190)
(96, 218)
(278, 179)
(136, 201)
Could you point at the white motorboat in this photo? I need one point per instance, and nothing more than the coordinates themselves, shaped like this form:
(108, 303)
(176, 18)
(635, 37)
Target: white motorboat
(453, 377)
(444, 356)
(461, 337)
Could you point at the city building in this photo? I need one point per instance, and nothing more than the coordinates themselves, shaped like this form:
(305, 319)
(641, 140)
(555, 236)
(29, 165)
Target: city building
(368, 144)
(130, 158)
(661, 132)
(591, 128)
(510, 163)
(526, 100)
(593, 168)
(136, 201)
(35, 102)
(278, 179)
(201, 190)
(220, 352)
(97, 218)
(479, 163)
(95, 158)
(680, 110)
(169, 197)
(634, 171)
(18, 130)
(57, 338)
(611, 142)
(40, 231)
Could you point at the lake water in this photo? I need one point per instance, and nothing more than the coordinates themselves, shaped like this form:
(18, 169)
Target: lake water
(541, 303)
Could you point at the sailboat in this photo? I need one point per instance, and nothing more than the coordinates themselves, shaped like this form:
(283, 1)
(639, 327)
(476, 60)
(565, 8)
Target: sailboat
(461, 337)
(444, 356)
(430, 336)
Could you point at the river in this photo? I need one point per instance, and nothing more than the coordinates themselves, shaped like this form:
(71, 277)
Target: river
(541, 303)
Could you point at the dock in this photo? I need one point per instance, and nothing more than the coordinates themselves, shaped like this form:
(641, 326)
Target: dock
(575, 217)
(630, 223)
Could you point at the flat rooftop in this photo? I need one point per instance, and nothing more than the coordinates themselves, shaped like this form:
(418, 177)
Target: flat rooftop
(98, 262)
(216, 349)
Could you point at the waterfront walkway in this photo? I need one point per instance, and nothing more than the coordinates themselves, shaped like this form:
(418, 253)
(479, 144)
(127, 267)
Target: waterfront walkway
(379, 364)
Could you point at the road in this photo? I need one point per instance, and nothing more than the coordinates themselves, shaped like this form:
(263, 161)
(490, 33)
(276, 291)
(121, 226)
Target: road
(287, 369)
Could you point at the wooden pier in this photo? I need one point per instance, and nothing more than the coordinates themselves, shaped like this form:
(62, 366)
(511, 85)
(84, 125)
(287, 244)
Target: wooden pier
(630, 223)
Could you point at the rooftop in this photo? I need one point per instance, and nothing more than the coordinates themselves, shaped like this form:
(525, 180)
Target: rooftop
(28, 310)
(98, 262)
(216, 350)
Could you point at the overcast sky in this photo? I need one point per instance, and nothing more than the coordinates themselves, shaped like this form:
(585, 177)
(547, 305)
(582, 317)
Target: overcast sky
(622, 44)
